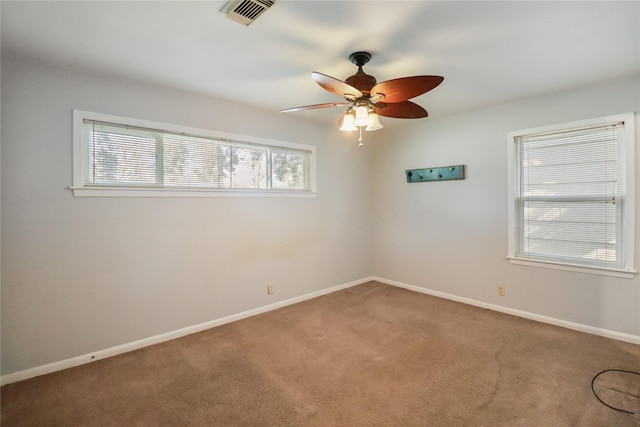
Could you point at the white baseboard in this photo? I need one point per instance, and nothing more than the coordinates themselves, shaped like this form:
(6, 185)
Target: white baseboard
(633, 339)
(135, 345)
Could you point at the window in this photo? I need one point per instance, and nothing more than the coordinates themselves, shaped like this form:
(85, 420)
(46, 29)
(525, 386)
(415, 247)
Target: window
(127, 157)
(571, 191)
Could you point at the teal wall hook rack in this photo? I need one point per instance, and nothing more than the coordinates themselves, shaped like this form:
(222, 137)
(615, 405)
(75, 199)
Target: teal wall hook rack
(441, 173)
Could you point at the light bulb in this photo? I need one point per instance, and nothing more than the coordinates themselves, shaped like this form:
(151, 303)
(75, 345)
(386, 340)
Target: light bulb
(374, 122)
(362, 116)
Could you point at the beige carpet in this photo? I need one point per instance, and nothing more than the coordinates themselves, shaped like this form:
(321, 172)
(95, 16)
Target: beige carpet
(372, 355)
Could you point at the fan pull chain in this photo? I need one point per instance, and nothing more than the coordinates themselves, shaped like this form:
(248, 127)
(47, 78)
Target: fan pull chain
(360, 140)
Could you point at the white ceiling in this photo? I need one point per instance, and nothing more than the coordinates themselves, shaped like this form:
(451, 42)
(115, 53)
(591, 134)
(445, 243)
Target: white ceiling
(488, 52)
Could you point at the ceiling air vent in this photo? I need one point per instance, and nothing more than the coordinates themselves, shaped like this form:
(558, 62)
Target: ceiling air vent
(246, 11)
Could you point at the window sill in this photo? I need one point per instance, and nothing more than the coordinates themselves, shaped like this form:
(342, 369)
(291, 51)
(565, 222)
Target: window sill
(181, 192)
(603, 271)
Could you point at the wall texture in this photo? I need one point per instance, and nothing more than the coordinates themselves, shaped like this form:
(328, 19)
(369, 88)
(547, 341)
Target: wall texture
(81, 275)
(451, 237)
(84, 274)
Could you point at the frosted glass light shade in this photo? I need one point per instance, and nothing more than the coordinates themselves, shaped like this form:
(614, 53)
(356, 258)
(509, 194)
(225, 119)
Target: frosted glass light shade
(374, 122)
(348, 123)
(362, 116)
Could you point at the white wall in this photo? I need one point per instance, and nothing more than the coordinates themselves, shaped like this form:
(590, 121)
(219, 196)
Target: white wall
(451, 237)
(85, 274)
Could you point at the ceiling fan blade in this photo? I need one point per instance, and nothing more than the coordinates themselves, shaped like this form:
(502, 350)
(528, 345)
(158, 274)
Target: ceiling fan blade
(400, 110)
(336, 86)
(404, 88)
(315, 106)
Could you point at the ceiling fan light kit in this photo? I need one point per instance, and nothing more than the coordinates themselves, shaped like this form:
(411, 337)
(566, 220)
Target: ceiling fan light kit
(367, 99)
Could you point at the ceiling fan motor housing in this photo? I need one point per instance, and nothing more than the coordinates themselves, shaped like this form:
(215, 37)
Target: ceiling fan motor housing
(361, 80)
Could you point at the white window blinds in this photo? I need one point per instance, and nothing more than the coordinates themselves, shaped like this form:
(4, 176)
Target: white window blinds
(118, 155)
(570, 195)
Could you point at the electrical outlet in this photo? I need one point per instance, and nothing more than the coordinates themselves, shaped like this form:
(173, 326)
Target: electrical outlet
(270, 288)
(501, 290)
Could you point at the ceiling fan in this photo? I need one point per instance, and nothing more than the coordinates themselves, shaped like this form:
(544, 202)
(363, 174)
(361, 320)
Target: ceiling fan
(366, 99)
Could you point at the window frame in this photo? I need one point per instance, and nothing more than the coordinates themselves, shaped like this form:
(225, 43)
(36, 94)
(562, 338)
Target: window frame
(628, 193)
(80, 189)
